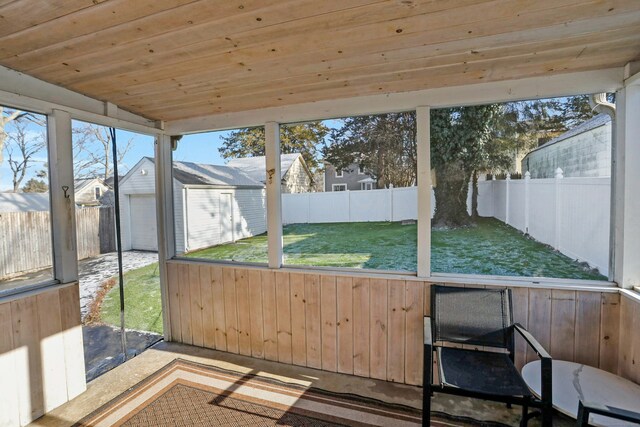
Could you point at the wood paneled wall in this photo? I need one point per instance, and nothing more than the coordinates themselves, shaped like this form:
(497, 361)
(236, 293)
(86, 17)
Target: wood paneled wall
(41, 354)
(629, 360)
(370, 327)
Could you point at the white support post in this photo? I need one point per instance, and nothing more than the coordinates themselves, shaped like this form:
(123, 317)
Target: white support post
(423, 135)
(274, 190)
(627, 181)
(556, 240)
(63, 213)
(165, 223)
(527, 201)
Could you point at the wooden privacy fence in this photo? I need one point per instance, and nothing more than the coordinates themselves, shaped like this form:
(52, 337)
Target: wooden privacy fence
(25, 243)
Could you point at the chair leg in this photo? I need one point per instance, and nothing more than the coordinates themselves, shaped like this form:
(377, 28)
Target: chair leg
(525, 416)
(426, 406)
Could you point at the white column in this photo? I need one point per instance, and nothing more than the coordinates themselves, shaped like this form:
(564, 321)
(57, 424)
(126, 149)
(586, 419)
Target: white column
(63, 216)
(423, 135)
(274, 200)
(627, 181)
(165, 223)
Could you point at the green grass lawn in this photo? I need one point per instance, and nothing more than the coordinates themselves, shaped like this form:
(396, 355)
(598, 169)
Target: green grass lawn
(143, 310)
(489, 248)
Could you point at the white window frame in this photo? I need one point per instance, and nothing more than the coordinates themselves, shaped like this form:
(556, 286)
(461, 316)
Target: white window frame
(366, 186)
(333, 187)
(361, 170)
(339, 173)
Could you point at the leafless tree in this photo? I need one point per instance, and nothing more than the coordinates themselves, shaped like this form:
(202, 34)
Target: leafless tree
(22, 146)
(92, 151)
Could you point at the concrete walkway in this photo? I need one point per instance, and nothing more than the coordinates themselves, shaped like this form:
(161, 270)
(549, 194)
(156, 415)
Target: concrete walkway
(94, 272)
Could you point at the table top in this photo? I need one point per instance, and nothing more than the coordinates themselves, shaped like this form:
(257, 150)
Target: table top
(573, 381)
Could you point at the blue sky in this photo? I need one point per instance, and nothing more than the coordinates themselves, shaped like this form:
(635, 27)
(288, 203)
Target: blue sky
(200, 148)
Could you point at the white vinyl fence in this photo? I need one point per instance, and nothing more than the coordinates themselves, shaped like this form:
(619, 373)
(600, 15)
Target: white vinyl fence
(569, 214)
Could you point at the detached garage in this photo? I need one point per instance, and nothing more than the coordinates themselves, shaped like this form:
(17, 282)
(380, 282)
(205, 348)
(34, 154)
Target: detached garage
(212, 204)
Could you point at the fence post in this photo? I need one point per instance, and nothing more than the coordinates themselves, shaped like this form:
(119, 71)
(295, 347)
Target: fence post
(349, 205)
(390, 210)
(506, 197)
(527, 202)
(558, 176)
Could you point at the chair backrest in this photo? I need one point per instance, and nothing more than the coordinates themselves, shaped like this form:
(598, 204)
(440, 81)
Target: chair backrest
(474, 316)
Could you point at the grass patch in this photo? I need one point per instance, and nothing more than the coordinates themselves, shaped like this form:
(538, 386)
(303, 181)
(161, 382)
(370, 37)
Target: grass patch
(143, 310)
(489, 248)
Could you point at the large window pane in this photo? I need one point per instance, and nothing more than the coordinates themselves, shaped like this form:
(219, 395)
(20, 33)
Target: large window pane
(358, 207)
(521, 189)
(25, 221)
(219, 196)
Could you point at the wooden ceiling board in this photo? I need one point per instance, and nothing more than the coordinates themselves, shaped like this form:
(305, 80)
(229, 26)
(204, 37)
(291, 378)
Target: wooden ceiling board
(176, 59)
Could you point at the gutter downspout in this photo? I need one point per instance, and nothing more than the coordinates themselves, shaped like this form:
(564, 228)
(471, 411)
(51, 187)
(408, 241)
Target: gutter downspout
(599, 103)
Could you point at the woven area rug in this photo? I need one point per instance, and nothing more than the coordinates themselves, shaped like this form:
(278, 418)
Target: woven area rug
(190, 394)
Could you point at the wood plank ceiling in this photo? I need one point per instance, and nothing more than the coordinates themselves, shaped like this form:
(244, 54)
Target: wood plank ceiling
(174, 59)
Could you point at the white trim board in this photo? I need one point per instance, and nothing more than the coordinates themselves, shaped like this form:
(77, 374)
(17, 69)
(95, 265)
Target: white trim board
(608, 80)
(19, 90)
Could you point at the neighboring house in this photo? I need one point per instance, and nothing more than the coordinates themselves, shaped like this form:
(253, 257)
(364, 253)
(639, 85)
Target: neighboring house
(352, 178)
(294, 174)
(212, 205)
(89, 191)
(584, 151)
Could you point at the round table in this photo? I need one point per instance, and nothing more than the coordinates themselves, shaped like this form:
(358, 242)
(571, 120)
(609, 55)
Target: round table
(573, 382)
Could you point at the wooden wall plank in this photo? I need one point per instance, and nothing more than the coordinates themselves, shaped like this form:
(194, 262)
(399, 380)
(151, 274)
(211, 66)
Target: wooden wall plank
(539, 319)
(174, 301)
(244, 317)
(378, 326)
(634, 327)
(329, 315)
(587, 341)
(520, 315)
(298, 320)
(414, 346)
(609, 331)
(73, 340)
(627, 363)
(219, 322)
(283, 302)
(197, 329)
(563, 320)
(344, 296)
(185, 304)
(396, 331)
(26, 339)
(54, 386)
(256, 314)
(230, 309)
(269, 308)
(313, 319)
(427, 299)
(9, 390)
(361, 332)
(206, 294)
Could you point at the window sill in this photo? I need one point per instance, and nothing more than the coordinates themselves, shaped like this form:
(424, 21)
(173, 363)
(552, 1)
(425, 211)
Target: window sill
(463, 279)
(21, 291)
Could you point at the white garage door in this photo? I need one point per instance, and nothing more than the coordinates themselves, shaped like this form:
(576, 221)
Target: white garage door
(143, 222)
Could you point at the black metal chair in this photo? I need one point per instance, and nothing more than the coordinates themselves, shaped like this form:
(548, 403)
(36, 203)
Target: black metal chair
(481, 318)
(586, 409)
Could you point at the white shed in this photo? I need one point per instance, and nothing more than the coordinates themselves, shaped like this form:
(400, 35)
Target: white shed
(212, 204)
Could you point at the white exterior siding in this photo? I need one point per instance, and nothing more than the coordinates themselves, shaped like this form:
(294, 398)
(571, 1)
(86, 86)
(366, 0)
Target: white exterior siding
(251, 205)
(204, 219)
(587, 154)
